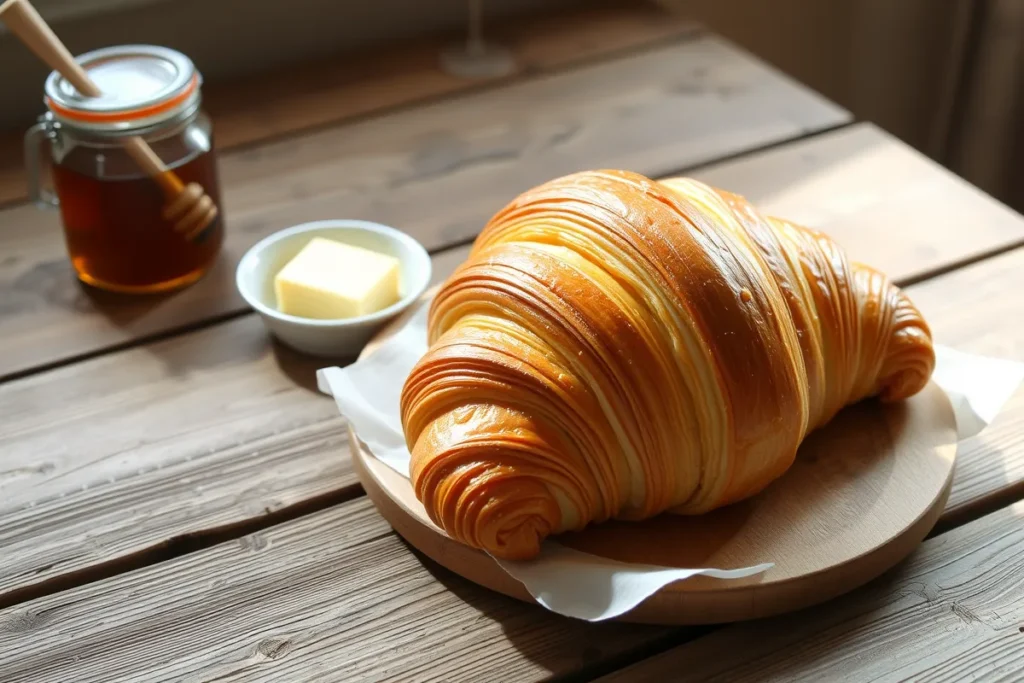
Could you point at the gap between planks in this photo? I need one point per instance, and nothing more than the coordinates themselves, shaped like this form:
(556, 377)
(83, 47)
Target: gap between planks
(178, 546)
(214, 320)
(364, 597)
(642, 112)
(140, 556)
(228, 316)
(682, 635)
(822, 115)
(950, 612)
(345, 88)
(167, 334)
(191, 542)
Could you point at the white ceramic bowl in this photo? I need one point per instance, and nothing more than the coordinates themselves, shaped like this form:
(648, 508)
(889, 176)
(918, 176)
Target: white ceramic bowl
(343, 337)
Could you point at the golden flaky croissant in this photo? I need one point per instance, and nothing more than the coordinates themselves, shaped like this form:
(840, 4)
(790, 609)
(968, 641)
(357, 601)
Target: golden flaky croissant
(616, 347)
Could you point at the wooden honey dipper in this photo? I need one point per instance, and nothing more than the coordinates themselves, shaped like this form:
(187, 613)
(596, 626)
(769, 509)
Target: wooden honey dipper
(188, 207)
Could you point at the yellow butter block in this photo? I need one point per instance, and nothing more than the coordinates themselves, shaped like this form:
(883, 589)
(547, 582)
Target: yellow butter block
(330, 279)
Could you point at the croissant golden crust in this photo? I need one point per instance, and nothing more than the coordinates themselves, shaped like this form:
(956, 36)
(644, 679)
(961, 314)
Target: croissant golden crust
(617, 347)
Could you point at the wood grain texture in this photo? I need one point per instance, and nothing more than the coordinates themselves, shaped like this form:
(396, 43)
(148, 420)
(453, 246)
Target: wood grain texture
(349, 86)
(344, 86)
(437, 171)
(336, 596)
(952, 612)
(893, 466)
(126, 453)
(332, 596)
(977, 309)
(324, 607)
(233, 360)
(888, 205)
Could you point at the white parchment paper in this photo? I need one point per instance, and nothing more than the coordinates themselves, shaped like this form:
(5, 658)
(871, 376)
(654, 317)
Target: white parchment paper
(565, 580)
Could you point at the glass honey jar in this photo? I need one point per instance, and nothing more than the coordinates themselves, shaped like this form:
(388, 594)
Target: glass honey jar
(119, 232)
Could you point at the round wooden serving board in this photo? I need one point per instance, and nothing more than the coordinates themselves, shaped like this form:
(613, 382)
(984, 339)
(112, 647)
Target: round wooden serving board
(863, 492)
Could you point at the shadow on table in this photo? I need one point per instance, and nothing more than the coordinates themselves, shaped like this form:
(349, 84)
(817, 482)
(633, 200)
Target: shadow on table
(213, 295)
(122, 310)
(846, 634)
(557, 644)
(810, 643)
(301, 368)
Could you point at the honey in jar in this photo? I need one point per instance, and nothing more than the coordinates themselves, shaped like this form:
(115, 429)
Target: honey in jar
(116, 228)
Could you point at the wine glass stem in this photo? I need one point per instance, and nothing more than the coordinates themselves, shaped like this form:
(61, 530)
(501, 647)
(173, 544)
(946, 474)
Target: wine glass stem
(475, 39)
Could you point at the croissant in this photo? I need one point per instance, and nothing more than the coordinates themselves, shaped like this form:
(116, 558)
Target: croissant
(617, 347)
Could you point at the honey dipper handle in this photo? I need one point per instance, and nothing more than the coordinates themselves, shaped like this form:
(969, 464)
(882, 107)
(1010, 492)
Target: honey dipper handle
(24, 21)
(151, 164)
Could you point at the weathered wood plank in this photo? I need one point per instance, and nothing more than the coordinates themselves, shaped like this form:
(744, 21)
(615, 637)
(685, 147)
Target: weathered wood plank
(220, 407)
(344, 86)
(437, 171)
(887, 204)
(976, 309)
(106, 459)
(952, 612)
(336, 595)
(332, 596)
(971, 310)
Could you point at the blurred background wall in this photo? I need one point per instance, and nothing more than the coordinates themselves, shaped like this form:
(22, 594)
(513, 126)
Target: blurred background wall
(946, 76)
(231, 38)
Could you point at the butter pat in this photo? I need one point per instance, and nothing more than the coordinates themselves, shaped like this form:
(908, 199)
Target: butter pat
(329, 279)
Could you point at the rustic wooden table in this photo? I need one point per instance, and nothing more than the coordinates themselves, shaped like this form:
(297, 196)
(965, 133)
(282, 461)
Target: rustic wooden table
(177, 502)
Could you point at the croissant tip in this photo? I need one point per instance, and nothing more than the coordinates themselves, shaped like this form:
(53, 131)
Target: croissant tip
(908, 380)
(516, 552)
(519, 535)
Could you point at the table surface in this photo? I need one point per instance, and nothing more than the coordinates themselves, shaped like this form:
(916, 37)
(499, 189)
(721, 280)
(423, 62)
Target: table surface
(176, 499)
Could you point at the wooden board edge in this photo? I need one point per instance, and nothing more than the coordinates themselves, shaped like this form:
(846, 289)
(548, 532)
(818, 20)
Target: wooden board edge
(691, 603)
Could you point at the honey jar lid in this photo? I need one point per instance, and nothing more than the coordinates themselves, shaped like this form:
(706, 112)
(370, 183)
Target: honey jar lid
(142, 85)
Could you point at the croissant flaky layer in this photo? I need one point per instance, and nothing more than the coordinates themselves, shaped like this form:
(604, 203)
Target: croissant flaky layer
(617, 347)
